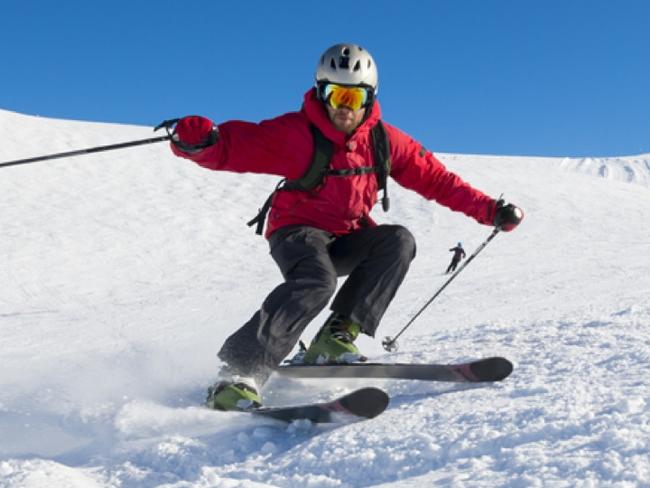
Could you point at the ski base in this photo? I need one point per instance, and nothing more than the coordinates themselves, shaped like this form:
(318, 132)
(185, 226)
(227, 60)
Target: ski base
(482, 370)
(364, 403)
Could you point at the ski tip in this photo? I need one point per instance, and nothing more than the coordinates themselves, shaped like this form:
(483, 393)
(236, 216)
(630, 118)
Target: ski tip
(366, 402)
(492, 369)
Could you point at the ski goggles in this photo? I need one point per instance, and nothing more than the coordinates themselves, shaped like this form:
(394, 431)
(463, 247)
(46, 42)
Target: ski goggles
(352, 97)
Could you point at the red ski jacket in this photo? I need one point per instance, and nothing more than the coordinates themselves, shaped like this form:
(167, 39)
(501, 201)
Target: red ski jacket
(284, 146)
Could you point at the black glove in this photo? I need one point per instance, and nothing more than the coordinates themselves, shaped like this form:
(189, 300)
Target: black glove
(507, 216)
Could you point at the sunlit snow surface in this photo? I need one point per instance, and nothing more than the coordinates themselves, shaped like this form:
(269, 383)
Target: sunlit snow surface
(122, 272)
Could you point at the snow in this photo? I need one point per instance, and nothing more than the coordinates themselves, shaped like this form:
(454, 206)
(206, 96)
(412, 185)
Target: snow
(122, 272)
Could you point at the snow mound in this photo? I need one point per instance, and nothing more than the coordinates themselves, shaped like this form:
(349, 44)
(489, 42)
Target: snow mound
(628, 169)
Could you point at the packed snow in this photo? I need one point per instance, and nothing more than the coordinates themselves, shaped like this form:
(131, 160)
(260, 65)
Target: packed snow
(122, 272)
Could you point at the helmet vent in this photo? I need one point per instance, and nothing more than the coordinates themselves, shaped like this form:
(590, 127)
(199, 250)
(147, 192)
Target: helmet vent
(357, 66)
(332, 64)
(344, 62)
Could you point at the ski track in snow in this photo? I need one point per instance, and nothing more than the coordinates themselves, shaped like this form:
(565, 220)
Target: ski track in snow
(122, 272)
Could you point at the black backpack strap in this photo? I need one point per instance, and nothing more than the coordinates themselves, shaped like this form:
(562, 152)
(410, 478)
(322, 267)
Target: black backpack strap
(320, 160)
(381, 148)
(260, 218)
(363, 170)
(318, 168)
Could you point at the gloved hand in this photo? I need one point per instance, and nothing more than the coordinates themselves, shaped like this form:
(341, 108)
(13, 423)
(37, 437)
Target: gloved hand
(193, 133)
(507, 216)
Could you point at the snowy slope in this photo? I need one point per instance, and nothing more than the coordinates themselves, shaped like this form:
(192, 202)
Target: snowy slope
(122, 272)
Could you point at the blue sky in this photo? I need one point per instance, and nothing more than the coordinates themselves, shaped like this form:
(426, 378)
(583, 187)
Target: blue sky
(518, 77)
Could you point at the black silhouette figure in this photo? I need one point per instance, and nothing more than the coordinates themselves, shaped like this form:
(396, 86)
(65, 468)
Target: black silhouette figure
(459, 253)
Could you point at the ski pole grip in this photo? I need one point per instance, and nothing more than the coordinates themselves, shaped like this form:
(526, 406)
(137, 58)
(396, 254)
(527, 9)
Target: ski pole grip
(166, 124)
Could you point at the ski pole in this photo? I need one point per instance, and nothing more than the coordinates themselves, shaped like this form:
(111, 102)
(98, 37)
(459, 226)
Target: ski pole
(390, 344)
(89, 150)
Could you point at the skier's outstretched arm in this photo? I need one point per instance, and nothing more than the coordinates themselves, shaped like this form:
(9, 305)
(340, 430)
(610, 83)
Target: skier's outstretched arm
(270, 147)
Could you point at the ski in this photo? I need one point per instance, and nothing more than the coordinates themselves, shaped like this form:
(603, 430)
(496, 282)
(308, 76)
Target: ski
(364, 403)
(487, 369)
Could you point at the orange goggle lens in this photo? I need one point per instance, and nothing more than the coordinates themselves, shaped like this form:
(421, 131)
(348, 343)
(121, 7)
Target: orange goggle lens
(353, 97)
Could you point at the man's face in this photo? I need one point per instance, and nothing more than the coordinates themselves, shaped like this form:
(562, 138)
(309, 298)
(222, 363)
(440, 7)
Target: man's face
(345, 119)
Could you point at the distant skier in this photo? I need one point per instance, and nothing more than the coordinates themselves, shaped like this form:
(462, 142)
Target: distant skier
(459, 253)
(315, 236)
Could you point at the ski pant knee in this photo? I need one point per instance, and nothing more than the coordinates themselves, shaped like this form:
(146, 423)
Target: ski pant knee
(376, 259)
(405, 243)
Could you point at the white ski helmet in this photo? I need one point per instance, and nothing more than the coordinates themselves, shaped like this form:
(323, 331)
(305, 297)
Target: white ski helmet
(347, 64)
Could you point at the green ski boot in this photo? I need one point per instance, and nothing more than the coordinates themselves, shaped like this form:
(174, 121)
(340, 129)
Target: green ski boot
(229, 395)
(334, 343)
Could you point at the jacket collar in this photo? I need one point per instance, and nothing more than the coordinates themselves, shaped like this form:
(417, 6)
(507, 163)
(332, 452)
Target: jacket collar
(317, 115)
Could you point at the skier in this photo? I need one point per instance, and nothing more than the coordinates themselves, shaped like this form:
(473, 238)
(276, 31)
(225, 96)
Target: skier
(316, 236)
(459, 253)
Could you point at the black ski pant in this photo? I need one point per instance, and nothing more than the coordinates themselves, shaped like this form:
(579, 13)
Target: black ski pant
(452, 265)
(375, 259)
